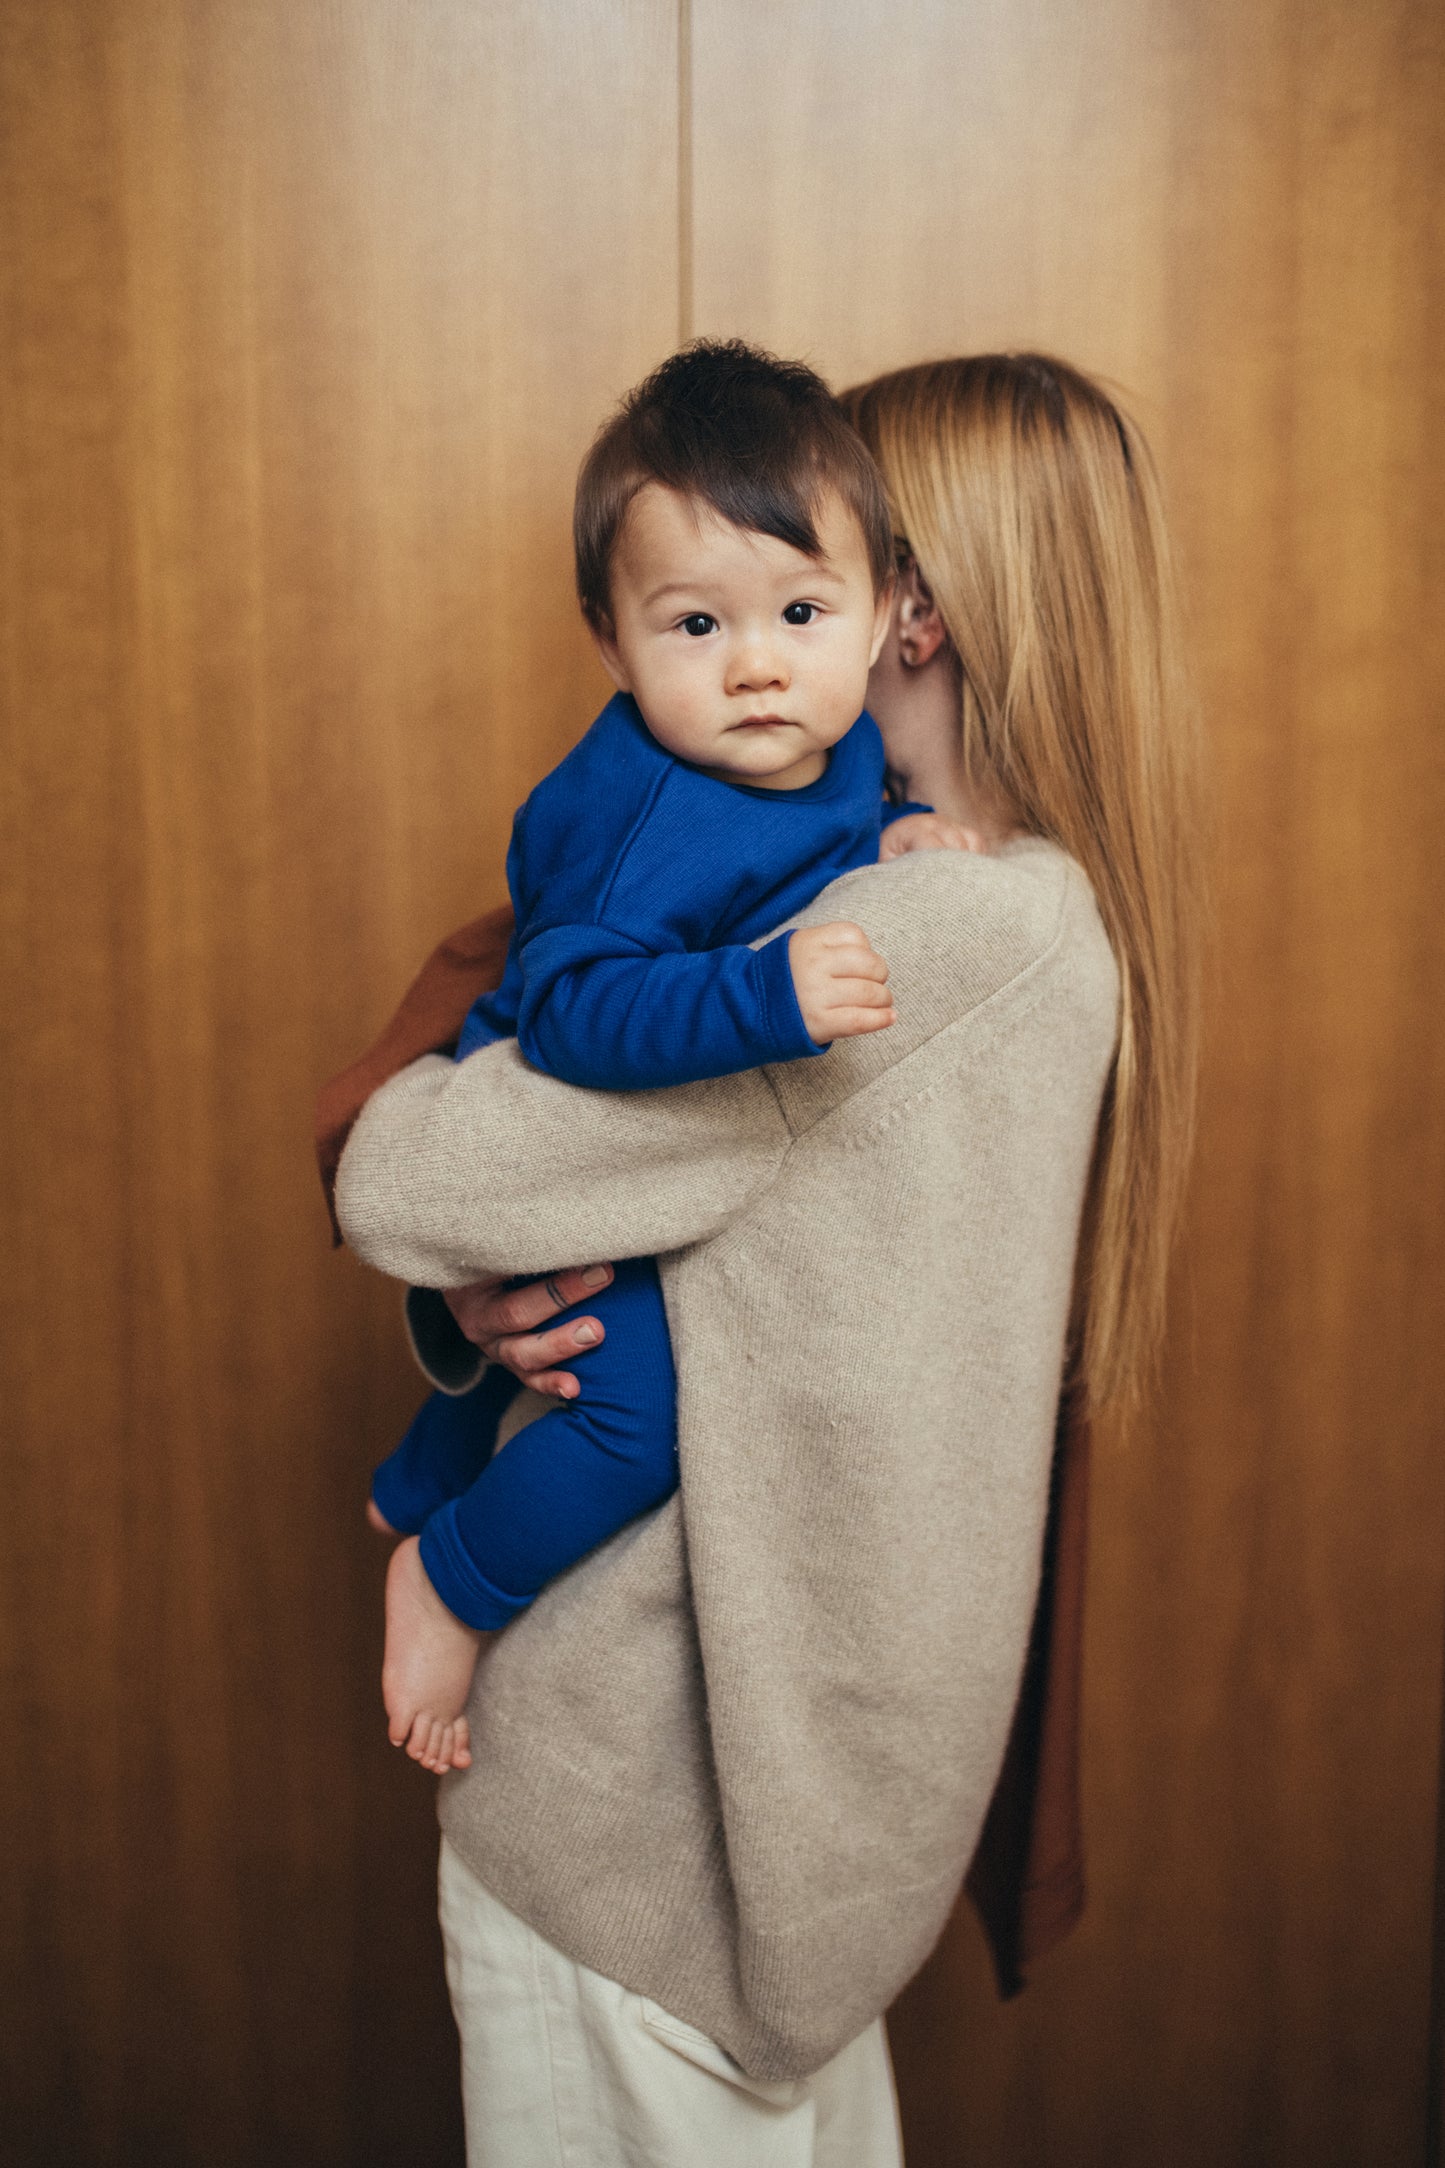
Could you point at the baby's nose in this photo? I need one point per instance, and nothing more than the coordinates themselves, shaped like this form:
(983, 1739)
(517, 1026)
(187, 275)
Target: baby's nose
(757, 663)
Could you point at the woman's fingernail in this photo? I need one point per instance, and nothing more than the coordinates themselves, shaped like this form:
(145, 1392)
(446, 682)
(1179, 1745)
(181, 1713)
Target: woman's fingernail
(585, 1336)
(595, 1276)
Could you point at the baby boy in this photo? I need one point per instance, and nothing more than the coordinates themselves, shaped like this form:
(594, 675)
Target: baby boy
(734, 562)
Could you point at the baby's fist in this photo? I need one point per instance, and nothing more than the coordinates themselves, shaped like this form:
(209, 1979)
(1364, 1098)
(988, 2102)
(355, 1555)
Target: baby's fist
(841, 981)
(926, 832)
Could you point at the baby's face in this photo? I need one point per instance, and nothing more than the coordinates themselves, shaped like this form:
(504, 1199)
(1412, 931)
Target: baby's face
(747, 658)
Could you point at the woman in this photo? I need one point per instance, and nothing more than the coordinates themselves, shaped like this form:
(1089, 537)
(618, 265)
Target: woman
(730, 1771)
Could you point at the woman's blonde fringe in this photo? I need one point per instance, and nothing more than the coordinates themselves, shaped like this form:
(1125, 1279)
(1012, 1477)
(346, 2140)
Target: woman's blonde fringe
(1030, 502)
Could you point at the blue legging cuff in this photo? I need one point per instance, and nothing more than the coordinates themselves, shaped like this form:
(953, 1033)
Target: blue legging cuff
(464, 1591)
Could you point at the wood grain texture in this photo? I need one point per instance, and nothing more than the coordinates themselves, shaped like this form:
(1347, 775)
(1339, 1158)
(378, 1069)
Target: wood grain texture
(1234, 211)
(308, 315)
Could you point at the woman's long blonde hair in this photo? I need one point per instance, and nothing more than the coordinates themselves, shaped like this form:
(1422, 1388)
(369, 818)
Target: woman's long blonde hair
(1030, 504)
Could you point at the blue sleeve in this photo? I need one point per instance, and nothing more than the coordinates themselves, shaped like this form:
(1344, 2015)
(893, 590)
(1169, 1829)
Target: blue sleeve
(601, 1010)
(892, 813)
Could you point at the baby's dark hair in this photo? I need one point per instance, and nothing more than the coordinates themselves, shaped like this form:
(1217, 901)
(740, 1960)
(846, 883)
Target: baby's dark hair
(756, 438)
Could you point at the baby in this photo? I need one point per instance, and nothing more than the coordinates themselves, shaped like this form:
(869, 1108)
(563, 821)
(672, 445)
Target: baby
(735, 565)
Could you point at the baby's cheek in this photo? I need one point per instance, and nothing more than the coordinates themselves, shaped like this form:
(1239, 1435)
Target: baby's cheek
(845, 691)
(826, 707)
(678, 715)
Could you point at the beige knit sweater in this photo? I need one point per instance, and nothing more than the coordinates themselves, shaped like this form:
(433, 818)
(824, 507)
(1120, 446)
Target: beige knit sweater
(738, 1759)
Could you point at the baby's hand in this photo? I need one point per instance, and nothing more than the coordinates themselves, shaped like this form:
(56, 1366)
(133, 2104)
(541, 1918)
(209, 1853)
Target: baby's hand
(926, 832)
(841, 981)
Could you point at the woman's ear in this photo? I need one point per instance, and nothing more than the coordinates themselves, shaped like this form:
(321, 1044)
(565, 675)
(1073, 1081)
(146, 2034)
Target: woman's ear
(921, 630)
(605, 641)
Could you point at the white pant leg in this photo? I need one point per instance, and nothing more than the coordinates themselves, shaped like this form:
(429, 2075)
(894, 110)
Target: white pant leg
(562, 2068)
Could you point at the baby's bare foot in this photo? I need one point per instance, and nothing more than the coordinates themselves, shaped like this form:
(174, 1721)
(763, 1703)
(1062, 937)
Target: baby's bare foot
(378, 1519)
(426, 1672)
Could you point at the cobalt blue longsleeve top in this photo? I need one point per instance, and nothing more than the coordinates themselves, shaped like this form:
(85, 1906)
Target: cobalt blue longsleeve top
(638, 883)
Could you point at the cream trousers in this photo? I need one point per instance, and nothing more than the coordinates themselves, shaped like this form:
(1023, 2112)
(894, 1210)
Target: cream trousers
(562, 2068)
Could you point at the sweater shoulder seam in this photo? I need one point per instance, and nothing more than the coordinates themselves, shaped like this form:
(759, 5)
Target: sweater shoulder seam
(961, 1024)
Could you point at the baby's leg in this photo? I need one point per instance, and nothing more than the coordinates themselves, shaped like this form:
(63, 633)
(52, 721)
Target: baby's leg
(430, 1655)
(451, 1439)
(573, 1478)
(564, 1485)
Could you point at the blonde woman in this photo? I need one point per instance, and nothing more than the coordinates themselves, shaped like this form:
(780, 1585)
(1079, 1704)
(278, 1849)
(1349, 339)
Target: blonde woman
(730, 1771)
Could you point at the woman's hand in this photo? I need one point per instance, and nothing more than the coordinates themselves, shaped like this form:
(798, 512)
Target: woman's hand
(926, 832)
(502, 1321)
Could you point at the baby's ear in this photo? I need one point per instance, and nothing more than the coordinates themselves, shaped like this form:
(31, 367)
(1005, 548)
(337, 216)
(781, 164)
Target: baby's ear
(605, 640)
(882, 616)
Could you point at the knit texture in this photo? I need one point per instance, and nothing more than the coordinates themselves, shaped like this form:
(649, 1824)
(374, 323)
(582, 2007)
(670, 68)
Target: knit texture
(738, 1759)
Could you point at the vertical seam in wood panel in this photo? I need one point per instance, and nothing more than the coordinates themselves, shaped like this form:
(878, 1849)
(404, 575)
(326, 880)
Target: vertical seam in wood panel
(684, 171)
(1435, 2054)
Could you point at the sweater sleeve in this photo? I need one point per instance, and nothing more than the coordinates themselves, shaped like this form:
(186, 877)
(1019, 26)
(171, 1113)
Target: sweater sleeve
(599, 1009)
(456, 1171)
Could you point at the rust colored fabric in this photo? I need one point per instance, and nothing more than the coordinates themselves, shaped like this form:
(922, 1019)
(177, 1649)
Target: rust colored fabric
(1027, 1877)
(468, 963)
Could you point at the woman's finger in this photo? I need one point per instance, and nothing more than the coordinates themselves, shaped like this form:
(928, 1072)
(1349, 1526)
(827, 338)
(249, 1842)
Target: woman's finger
(555, 1384)
(577, 1283)
(524, 1353)
(486, 1311)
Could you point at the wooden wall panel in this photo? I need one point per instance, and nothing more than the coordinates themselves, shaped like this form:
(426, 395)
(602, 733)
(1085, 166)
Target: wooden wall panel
(308, 315)
(1234, 211)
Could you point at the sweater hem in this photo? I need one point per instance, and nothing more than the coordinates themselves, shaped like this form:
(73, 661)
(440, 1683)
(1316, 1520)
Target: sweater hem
(533, 1828)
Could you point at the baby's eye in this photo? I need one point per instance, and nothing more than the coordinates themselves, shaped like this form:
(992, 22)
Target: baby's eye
(800, 613)
(698, 625)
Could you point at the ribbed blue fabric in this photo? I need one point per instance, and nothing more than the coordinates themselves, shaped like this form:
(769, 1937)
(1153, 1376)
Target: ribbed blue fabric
(570, 1480)
(448, 1445)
